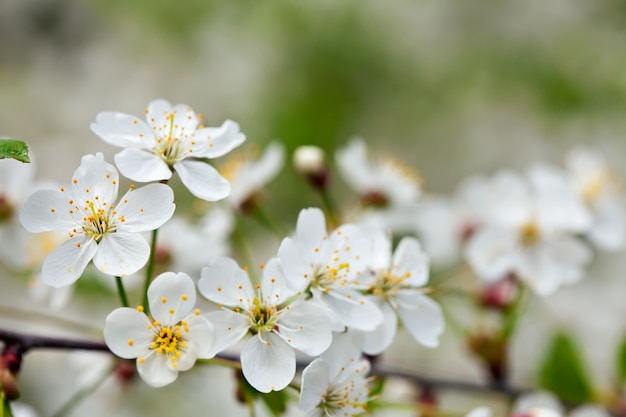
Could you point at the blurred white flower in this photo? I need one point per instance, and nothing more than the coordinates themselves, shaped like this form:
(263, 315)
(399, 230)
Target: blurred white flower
(247, 176)
(531, 232)
(396, 286)
(545, 404)
(279, 325)
(328, 265)
(97, 227)
(167, 342)
(603, 193)
(171, 140)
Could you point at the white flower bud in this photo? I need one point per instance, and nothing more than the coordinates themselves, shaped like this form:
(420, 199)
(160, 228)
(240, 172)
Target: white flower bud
(309, 159)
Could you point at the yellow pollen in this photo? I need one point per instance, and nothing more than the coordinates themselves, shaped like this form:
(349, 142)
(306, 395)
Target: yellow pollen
(171, 311)
(164, 300)
(131, 342)
(184, 297)
(140, 309)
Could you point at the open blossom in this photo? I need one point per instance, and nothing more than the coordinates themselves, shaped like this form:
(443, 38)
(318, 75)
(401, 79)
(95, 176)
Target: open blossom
(170, 140)
(327, 265)
(396, 286)
(336, 384)
(278, 323)
(168, 341)
(531, 232)
(545, 404)
(98, 227)
(602, 192)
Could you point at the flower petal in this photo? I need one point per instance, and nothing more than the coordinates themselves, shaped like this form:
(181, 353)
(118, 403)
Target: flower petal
(123, 130)
(296, 267)
(224, 282)
(229, 328)
(127, 333)
(411, 262)
(422, 317)
(269, 364)
(352, 308)
(95, 179)
(201, 334)
(68, 261)
(172, 297)
(379, 339)
(154, 370)
(202, 180)
(273, 284)
(142, 165)
(146, 208)
(310, 230)
(315, 384)
(306, 328)
(45, 211)
(121, 254)
(214, 142)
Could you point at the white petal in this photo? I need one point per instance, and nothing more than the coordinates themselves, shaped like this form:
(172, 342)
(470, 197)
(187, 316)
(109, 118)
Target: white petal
(186, 360)
(379, 252)
(589, 410)
(315, 384)
(67, 262)
(95, 178)
(121, 254)
(146, 208)
(542, 399)
(215, 142)
(422, 317)
(224, 282)
(158, 112)
(201, 334)
(295, 265)
(229, 328)
(410, 261)
(306, 328)
(122, 130)
(310, 229)
(480, 412)
(185, 121)
(45, 211)
(202, 180)
(273, 283)
(127, 334)
(352, 308)
(379, 339)
(142, 165)
(154, 370)
(491, 253)
(268, 364)
(171, 297)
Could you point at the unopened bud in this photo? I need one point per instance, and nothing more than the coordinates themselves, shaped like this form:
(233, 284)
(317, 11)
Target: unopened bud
(310, 162)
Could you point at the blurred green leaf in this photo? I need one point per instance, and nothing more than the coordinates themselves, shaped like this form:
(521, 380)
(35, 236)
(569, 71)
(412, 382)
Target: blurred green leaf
(621, 361)
(563, 371)
(12, 148)
(276, 401)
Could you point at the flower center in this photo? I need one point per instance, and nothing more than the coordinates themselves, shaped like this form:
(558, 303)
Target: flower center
(169, 340)
(387, 285)
(593, 188)
(325, 277)
(529, 234)
(262, 317)
(339, 398)
(99, 221)
(168, 146)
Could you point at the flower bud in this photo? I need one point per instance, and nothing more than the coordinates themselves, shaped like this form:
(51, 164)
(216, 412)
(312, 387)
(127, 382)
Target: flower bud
(310, 162)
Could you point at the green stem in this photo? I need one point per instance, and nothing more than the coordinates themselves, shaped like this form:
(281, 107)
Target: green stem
(329, 207)
(263, 218)
(149, 272)
(84, 392)
(5, 410)
(121, 291)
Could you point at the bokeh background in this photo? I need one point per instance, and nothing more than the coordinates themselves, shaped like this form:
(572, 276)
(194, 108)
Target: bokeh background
(453, 87)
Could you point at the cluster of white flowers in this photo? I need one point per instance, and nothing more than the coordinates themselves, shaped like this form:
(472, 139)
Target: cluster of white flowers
(328, 294)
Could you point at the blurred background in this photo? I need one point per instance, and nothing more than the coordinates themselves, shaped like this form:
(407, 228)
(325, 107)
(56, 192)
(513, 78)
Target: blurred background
(453, 87)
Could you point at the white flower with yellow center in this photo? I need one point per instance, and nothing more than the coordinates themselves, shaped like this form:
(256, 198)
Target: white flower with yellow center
(327, 265)
(279, 324)
(170, 140)
(531, 232)
(603, 193)
(168, 341)
(98, 228)
(396, 284)
(336, 384)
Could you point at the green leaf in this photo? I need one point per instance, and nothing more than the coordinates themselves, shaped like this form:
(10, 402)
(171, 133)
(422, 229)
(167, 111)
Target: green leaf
(563, 371)
(16, 149)
(621, 361)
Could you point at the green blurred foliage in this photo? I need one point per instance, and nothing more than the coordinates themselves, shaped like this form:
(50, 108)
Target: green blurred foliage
(564, 372)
